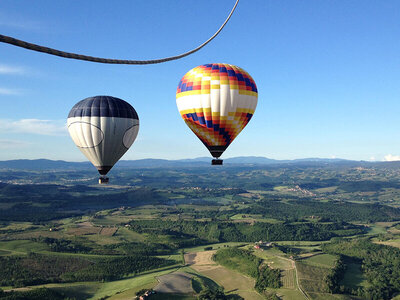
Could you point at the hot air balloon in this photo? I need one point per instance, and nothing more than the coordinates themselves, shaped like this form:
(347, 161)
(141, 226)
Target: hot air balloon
(103, 128)
(216, 101)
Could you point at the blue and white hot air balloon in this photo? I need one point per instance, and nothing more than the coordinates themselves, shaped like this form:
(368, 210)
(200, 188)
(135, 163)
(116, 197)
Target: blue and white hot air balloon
(103, 128)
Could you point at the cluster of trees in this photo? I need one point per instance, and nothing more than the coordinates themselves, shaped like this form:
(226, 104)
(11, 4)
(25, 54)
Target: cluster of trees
(245, 262)
(62, 245)
(268, 278)
(212, 294)
(12, 273)
(39, 268)
(115, 268)
(238, 259)
(380, 265)
(183, 233)
(350, 186)
(291, 208)
(333, 279)
(327, 211)
(139, 248)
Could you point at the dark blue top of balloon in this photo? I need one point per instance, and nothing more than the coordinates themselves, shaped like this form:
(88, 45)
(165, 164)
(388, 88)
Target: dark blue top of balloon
(103, 106)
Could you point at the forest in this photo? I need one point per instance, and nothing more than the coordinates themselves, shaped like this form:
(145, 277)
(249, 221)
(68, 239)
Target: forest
(380, 264)
(184, 233)
(40, 268)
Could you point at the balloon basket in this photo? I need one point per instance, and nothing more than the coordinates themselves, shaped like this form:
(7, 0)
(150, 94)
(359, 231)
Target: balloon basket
(103, 180)
(216, 162)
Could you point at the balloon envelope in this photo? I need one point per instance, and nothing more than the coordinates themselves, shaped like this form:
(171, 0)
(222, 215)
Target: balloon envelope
(216, 101)
(103, 128)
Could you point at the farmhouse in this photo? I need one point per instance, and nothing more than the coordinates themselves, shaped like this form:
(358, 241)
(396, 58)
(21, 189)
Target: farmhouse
(263, 245)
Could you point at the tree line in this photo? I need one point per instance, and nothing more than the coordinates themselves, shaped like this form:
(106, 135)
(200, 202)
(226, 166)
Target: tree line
(183, 233)
(336, 211)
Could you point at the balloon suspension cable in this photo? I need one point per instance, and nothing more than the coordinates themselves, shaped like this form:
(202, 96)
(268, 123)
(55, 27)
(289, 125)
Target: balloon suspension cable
(38, 48)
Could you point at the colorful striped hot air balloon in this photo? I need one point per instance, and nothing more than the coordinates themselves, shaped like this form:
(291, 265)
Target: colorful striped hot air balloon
(216, 101)
(103, 128)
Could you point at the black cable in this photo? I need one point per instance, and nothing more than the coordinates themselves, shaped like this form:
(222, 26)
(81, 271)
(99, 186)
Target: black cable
(34, 47)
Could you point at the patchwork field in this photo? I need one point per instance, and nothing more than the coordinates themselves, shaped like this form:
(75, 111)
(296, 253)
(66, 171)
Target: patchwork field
(290, 294)
(84, 228)
(22, 246)
(233, 282)
(311, 279)
(274, 259)
(288, 279)
(169, 212)
(320, 260)
(175, 283)
(201, 261)
(213, 246)
(114, 290)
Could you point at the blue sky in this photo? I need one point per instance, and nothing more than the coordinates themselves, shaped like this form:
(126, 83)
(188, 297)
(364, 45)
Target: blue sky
(328, 74)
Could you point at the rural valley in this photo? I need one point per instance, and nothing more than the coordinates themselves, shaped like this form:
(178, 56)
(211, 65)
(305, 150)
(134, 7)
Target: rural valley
(312, 229)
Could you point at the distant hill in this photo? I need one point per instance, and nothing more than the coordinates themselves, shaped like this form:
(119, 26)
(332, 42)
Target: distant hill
(252, 160)
(42, 164)
(45, 164)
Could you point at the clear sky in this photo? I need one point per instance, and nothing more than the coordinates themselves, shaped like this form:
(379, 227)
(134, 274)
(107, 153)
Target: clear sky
(327, 72)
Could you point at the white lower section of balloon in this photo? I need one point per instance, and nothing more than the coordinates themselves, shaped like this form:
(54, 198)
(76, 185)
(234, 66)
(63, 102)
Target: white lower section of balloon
(223, 101)
(103, 140)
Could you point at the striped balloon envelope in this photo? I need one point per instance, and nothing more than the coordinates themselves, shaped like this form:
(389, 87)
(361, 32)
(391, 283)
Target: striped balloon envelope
(103, 128)
(216, 101)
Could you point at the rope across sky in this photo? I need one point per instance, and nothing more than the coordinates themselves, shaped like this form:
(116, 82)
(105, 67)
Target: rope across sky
(38, 48)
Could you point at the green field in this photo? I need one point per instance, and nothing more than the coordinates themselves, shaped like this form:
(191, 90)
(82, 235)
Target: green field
(5, 252)
(376, 229)
(330, 189)
(311, 278)
(239, 260)
(245, 216)
(133, 284)
(80, 290)
(321, 260)
(289, 294)
(22, 246)
(118, 289)
(274, 259)
(282, 188)
(288, 279)
(353, 276)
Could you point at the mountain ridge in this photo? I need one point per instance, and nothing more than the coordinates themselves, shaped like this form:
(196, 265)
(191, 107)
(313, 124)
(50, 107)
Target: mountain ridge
(47, 164)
